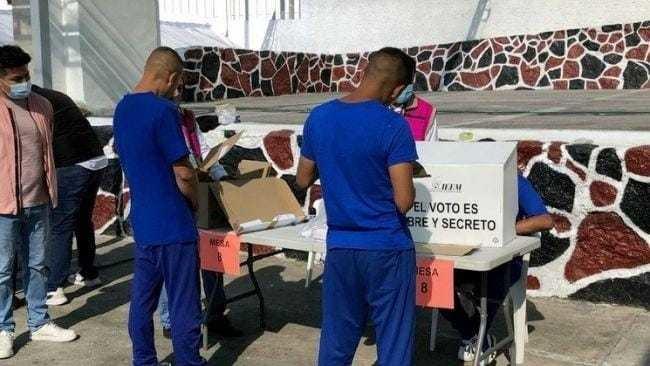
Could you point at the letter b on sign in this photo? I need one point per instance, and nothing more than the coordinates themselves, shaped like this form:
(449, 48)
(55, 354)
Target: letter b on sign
(219, 251)
(434, 283)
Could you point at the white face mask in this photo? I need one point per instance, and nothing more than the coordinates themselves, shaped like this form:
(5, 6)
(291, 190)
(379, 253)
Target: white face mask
(20, 90)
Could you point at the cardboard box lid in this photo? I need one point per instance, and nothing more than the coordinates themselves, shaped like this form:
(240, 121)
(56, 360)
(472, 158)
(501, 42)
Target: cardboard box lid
(465, 153)
(264, 200)
(454, 250)
(219, 151)
(250, 169)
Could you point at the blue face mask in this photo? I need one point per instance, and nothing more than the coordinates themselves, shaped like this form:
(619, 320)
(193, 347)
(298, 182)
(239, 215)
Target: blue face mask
(20, 90)
(405, 96)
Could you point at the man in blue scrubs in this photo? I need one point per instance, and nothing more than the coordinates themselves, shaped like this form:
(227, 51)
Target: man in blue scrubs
(363, 153)
(531, 219)
(163, 184)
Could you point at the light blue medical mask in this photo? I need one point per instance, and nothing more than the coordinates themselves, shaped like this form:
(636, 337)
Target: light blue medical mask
(20, 90)
(405, 96)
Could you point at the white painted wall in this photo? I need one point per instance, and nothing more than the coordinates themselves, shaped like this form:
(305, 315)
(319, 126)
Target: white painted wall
(336, 26)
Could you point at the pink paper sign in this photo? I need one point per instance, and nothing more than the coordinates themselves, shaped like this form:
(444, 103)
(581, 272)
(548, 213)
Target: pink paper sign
(219, 251)
(434, 283)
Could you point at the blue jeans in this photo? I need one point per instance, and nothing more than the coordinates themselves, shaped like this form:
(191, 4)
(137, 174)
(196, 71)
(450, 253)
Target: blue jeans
(25, 233)
(78, 188)
(362, 284)
(215, 313)
(177, 266)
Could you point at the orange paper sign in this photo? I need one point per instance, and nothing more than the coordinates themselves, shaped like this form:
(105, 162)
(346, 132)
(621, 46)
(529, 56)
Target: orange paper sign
(434, 283)
(219, 252)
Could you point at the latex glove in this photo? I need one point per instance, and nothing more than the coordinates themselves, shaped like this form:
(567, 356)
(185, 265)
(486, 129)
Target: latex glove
(217, 172)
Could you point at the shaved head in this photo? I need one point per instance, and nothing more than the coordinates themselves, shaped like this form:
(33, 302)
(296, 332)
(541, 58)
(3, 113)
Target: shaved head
(391, 65)
(163, 61)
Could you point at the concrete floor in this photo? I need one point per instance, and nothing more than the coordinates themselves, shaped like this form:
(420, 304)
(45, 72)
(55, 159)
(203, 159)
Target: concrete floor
(625, 110)
(563, 332)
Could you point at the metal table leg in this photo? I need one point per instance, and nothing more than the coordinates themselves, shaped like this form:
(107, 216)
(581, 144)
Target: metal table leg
(258, 291)
(483, 327)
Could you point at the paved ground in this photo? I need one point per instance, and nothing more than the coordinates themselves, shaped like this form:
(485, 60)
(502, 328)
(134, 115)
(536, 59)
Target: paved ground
(626, 110)
(563, 332)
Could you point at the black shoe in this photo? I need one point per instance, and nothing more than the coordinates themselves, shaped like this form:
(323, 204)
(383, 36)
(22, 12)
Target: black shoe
(224, 328)
(167, 333)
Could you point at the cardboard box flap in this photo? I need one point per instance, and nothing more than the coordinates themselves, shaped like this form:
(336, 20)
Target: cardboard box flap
(258, 204)
(219, 151)
(249, 169)
(467, 153)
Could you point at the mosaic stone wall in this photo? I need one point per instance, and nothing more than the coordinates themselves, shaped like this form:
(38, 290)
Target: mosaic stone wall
(608, 57)
(599, 197)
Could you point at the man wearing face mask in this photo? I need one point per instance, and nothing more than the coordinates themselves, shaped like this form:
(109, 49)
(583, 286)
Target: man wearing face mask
(27, 194)
(363, 153)
(163, 184)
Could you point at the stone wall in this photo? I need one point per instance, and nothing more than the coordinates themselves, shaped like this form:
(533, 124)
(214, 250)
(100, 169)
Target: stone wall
(608, 57)
(599, 197)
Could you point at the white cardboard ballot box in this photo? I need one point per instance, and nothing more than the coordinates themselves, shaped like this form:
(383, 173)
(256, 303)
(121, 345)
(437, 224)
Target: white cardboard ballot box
(469, 194)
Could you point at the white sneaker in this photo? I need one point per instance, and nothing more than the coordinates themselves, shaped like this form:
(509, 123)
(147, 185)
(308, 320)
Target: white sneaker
(79, 280)
(467, 350)
(51, 332)
(56, 298)
(6, 344)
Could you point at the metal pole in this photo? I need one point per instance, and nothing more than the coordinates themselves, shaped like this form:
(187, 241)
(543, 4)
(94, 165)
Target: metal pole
(41, 43)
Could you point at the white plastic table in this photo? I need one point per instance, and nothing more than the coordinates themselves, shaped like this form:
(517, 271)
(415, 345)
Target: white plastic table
(481, 260)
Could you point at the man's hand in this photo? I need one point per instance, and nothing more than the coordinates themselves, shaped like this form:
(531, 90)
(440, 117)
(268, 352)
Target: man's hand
(306, 174)
(187, 181)
(534, 224)
(401, 178)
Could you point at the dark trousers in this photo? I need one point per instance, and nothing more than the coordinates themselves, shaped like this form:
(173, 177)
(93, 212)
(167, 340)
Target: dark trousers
(368, 284)
(177, 266)
(218, 306)
(77, 187)
(465, 317)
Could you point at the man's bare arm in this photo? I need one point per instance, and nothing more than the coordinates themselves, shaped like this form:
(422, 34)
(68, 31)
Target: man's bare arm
(534, 224)
(401, 178)
(187, 181)
(306, 174)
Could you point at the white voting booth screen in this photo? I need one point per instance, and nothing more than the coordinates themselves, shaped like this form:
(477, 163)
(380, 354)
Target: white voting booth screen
(469, 196)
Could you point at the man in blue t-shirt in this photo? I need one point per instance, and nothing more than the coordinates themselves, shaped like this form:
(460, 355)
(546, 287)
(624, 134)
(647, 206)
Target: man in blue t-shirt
(363, 153)
(532, 218)
(162, 183)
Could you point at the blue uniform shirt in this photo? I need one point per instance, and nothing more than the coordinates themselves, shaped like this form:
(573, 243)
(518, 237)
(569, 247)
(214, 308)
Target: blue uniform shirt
(148, 140)
(530, 203)
(353, 145)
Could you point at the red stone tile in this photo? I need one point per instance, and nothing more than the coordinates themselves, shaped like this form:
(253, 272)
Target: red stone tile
(526, 150)
(502, 40)
(561, 223)
(229, 77)
(496, 47)
(346, 86)
(570, 70)
(606, 48)
(620, 47)
(555, 152)
(540, 46)
(637, 160)
(205, 84)
(303, 72)
(350, 70)
(105, 210)
(602, 38)
(628, 28)
(227, 55)
(476, 80)
(249, 62)
(613, 71)
(602, 193)
(576, 169)
(607, 83)
(645, 34)
(637, 53)
(592, 34)
(268, 69)
(559, 35)
(615, 37)
(553, 62)
(532, 283)
(245, 82)
(425, 67)
(494, 71)
(575, 51)
(338, 73)
(282, 82)
(434, 81)
(439, 52)
(521, 49)
(604, 243)
(514, 60)
(530, 74)
(592, 85)
(278, 147)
